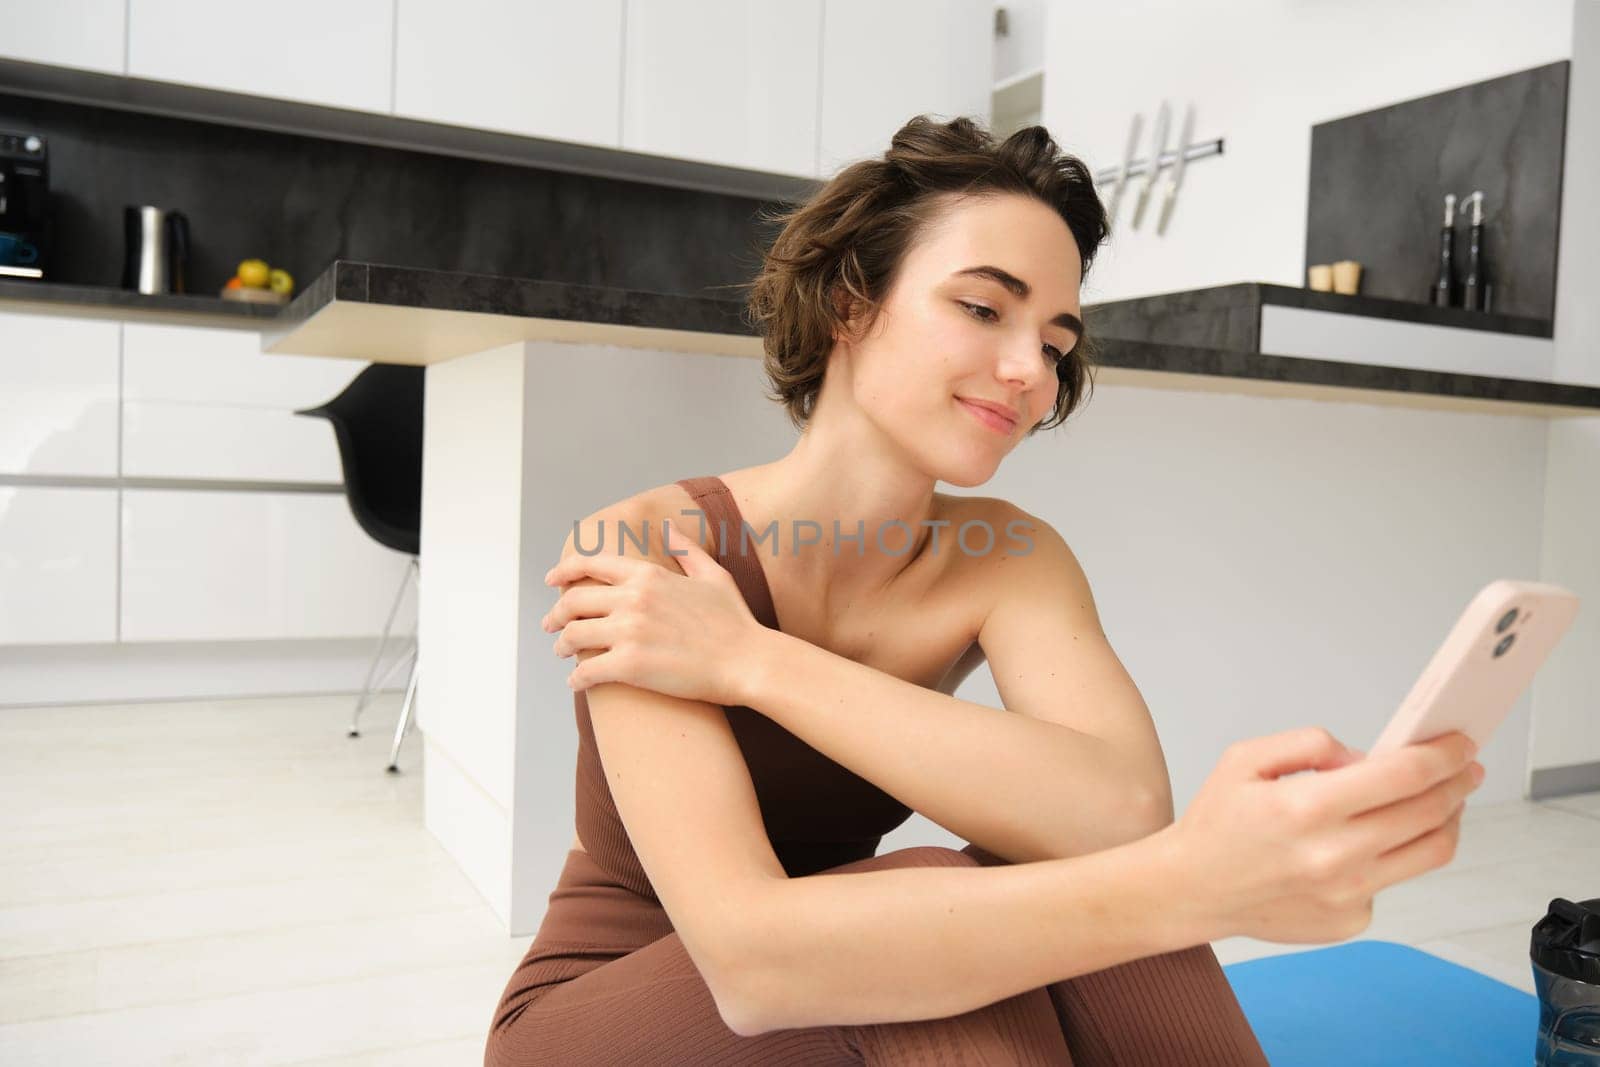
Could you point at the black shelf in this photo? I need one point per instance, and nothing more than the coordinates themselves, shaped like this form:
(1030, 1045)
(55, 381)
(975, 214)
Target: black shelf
(1229, 316)
(97, 301)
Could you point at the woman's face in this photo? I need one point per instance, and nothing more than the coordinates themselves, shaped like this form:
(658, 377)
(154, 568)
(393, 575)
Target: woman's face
(985, 304)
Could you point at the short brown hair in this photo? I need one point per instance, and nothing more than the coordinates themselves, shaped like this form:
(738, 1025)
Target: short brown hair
(850, 237)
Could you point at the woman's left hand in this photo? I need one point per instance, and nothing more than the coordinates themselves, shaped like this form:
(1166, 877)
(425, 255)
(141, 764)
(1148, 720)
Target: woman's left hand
(687, 635)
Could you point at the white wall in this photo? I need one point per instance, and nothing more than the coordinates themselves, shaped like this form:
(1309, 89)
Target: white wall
(1566, 727)
(1260, 73)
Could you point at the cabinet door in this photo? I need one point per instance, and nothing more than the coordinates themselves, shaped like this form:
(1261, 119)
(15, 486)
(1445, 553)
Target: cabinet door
(537, 69)
(167, 440)
(732, 82)
(339, 54)
(218, 566)
(207, 403)
(67, 33)
(58, 395)
(58, 565)
(198, 365)
(886, 61)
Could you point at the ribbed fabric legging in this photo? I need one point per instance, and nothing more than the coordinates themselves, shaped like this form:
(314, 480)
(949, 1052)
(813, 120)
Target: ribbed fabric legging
(637, 999)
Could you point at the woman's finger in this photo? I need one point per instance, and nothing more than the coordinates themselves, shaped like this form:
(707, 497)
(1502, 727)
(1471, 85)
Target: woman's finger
(582, 602)
(606, 566)
(684, 547)
(1431, 850)
(580, 634)
(592, 671)
(1386, 777)
(1383, 829)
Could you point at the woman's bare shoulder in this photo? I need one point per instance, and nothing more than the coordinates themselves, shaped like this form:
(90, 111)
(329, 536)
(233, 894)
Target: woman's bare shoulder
(642, 513)
(653, 501)
(997, 512)
(988, 552)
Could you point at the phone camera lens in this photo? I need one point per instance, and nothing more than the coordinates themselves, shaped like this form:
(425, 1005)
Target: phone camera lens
(1505, 620)
(1505, 643)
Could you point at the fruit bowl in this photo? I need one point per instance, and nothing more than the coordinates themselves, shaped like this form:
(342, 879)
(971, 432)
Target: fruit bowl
(251, 295)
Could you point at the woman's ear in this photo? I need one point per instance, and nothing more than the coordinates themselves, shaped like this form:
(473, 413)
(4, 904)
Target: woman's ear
(848, 310)
(841, 309)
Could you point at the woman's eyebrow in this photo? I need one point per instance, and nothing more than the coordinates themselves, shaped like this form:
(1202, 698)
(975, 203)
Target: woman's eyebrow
(1020, 288)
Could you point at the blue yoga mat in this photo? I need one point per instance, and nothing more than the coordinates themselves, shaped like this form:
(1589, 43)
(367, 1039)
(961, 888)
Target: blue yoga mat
(1379, 1004)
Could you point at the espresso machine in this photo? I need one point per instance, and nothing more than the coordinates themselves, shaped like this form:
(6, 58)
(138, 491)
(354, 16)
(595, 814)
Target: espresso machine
(24, 205)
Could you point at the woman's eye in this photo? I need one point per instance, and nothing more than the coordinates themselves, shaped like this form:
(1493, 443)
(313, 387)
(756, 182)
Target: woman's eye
(978, 310)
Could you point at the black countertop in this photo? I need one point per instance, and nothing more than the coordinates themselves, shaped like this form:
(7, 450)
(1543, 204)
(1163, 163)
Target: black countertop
(1229, 316)
(1204, 339)
(496, 294)
(1217, 332)
(105, 302)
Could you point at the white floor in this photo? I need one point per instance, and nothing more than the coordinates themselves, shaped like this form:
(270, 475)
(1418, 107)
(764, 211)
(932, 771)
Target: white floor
(238, 882)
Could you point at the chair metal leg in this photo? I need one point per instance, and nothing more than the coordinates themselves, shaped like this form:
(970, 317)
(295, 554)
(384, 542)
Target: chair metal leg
(405, 714)
(367, 688)
(403, 660)
(402, 663)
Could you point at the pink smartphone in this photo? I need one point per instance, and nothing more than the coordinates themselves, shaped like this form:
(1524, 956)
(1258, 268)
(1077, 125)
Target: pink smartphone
(1491, 655)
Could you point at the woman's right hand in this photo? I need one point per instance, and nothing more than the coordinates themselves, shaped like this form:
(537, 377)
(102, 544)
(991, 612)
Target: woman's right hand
(1298, 857)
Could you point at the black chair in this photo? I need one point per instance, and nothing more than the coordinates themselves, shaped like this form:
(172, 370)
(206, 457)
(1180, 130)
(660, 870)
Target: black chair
(377, 421)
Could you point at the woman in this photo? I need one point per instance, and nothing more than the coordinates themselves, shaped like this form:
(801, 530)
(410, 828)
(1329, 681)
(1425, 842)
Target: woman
(755, 714)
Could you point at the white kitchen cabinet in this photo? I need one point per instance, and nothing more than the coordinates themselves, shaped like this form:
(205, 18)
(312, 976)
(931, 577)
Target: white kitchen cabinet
(536, 69)
(161, 439)
(87, 34)
(731, 82)
(886, 61)
(206, 403)
(337, 54)
(218, 566)
(58, 395)
(198, 365)
(58, 565)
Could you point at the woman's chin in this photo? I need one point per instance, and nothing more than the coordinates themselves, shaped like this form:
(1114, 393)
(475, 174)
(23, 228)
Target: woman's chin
(971, 472)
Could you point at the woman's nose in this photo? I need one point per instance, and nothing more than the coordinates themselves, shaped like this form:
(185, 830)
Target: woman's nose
(1023, 363)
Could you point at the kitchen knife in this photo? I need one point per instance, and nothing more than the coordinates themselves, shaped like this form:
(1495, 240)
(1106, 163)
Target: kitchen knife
(1163, 120)
(1122, 174)
(1169, 192)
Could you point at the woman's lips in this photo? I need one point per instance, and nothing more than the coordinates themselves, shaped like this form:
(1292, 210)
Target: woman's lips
(998, 423)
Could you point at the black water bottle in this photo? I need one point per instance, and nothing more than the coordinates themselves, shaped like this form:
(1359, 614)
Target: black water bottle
(1443, 294)
(1565, 953)
(1472, 288)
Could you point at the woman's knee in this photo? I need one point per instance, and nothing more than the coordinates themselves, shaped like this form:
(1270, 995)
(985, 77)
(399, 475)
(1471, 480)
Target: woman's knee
(927, 856)
(1022, 1029)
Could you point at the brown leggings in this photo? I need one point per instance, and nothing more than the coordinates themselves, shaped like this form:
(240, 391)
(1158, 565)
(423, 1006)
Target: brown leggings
(586, 1002)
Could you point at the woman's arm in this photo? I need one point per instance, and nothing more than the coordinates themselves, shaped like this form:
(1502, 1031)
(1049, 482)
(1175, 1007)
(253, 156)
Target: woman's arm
(1020, 787)
(1072, 764)
(928, 942)
(1262, 850)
